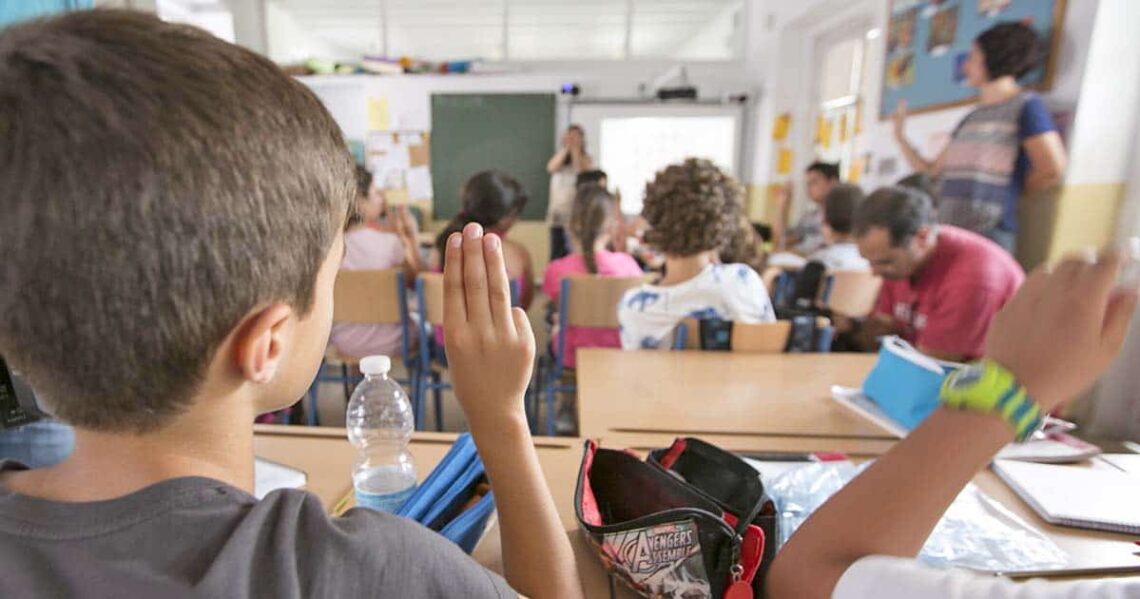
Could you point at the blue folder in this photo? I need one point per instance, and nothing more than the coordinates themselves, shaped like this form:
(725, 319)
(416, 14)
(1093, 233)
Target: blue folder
(438, 502)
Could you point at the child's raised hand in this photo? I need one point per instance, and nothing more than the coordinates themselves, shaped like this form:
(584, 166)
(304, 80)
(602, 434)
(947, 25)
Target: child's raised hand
(1063, 328)
(490, 346)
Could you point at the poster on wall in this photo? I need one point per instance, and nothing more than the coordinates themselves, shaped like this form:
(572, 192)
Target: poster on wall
(928, 42)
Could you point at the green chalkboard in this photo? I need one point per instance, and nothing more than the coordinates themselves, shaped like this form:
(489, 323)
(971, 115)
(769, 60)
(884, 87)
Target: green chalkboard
(473, 132)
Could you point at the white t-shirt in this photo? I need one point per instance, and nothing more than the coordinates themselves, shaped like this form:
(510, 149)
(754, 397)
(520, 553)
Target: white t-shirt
(649, 314)
(563, 187)
(841, 256)
(883, 577)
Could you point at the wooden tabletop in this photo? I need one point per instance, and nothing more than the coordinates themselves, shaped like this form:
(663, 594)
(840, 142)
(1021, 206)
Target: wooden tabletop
(694, 392)
(325, 455)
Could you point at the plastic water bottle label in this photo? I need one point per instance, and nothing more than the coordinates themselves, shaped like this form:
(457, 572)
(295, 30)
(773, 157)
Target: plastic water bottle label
(383, 502)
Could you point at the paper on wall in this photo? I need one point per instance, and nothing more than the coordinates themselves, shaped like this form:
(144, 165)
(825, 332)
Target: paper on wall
(379, 117)
(419, 183)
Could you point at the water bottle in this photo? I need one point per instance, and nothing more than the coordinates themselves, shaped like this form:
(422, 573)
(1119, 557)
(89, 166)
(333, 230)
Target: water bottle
(380, 424)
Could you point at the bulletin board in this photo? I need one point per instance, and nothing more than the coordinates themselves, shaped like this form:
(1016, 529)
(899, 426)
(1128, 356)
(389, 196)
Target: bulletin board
(928, 42)
(400, 163)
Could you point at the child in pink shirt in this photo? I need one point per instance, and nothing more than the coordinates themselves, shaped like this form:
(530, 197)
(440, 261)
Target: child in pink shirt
(366, 248)
(592, 225)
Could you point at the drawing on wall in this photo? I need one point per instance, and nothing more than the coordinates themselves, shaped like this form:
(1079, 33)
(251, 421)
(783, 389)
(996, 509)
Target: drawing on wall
(900, 69)
(901, 31)
(993, 7)
(943, 29)
(926, 43)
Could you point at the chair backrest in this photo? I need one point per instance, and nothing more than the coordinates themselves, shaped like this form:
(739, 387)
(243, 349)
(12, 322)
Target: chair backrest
(765, 337)
(431, 284)
(853, 293)
(368, 296)
(592, 301)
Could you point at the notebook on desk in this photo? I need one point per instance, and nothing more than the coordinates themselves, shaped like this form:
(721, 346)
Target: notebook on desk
(1100, 499)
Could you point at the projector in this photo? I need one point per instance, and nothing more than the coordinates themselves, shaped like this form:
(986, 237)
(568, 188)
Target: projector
(677, 93)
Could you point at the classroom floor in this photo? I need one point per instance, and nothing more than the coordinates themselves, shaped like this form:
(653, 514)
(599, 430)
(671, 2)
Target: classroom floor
(332, 402)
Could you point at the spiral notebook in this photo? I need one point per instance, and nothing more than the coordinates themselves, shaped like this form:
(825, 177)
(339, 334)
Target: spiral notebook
(1100, 499)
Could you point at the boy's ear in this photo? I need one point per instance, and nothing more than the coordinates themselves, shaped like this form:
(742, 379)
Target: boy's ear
(260, 344)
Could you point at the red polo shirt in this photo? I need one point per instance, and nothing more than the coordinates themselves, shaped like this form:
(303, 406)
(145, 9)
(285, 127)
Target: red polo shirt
(949, 304)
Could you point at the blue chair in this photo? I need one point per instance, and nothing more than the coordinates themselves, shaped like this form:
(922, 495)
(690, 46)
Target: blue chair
(432, 359)
(767, 337)
(366, 297)
(584, 301)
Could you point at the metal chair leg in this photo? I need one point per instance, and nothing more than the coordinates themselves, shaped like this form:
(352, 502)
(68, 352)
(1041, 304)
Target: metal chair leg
(437, 395)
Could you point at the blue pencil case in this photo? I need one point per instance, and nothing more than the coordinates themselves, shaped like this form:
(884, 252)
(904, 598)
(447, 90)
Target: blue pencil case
(905, 383)
(455, 499)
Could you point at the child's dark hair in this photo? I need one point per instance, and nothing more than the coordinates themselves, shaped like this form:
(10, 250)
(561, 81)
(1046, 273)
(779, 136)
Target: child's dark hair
(1010, 48)
(487, 198)
(839, 207)
(591, 177)
(593, 208)
(363, 181)
(829, 170)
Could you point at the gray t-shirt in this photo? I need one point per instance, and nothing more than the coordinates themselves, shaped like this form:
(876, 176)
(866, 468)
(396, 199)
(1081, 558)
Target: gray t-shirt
(197, 537)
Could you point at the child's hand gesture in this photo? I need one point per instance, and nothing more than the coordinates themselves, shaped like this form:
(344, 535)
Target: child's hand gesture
(490, 345)
(1063, 328)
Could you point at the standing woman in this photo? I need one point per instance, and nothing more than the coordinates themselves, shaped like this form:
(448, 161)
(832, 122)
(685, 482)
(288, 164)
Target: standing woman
(564, 167)
(1006, 146)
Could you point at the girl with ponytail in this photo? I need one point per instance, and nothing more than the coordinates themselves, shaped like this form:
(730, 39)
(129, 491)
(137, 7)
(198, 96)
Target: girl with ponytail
(494, 200)
(593, 223)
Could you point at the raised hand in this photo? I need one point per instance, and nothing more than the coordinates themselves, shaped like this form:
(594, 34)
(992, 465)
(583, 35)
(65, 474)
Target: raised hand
(490, 346)
(899, 118)
(1063, 328)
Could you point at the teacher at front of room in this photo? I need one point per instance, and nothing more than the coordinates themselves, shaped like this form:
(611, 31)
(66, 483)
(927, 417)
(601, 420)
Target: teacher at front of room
(1006, 146)
(570, 159)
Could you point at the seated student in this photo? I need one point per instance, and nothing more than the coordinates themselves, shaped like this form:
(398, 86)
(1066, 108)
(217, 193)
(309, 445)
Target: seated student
(840, 253)
(692, 209)
(943, 284)
(368, 249)
(744, 246)
(860, 543)
(493, 200)
(591, 226)
(806, 236)
(191, 290)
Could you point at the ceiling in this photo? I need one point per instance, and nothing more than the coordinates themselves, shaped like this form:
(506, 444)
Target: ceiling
(514, 29)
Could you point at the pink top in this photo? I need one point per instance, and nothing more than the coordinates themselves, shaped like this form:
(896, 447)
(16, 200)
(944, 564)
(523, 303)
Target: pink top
(368, 249)
(949, 304)
(610, 264)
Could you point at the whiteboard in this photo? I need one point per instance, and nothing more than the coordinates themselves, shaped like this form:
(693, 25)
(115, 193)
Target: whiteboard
(631, 142)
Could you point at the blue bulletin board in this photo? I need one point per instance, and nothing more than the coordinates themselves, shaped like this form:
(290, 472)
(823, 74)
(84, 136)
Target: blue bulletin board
(928, 40)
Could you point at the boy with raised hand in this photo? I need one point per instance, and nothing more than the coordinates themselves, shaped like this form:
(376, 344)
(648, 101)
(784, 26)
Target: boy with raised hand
(1053, 339)
(170, 245)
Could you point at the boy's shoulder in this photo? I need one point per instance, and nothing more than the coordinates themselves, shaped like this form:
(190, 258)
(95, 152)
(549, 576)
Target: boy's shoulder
(202, 535)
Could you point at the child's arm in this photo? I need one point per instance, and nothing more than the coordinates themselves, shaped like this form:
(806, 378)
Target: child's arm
(491, 349)
(891, 508)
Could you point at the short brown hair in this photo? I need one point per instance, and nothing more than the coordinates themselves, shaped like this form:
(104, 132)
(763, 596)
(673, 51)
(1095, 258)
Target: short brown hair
(691, 207)
(158, 184)
(839, 206)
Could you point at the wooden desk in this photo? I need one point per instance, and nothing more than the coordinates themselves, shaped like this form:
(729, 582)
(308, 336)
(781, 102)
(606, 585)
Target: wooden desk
(780, 401)
(326, 457)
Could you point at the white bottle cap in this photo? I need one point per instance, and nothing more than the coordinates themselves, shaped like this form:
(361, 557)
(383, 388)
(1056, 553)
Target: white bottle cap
(375, 365)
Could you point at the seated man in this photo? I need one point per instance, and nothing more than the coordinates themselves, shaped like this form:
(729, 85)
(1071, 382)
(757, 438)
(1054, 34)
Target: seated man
(860, 544)
(943, 285)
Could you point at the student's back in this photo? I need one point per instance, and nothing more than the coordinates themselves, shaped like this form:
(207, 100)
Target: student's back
(200, 537)
(174, 238)
(592, 224)
(693, 209)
